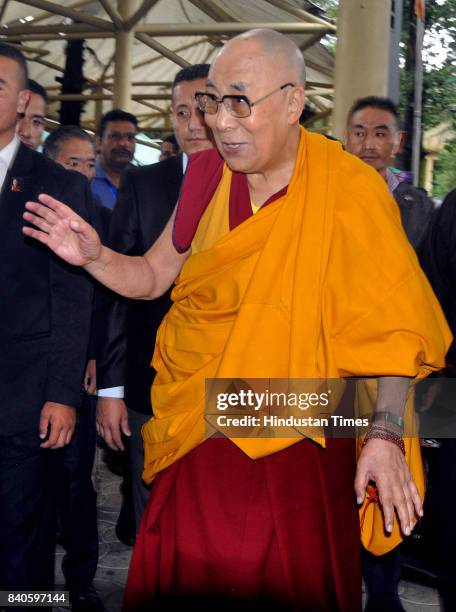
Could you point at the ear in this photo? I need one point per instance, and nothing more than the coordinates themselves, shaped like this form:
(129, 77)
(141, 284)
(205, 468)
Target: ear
(97, 141)
(23, 101)
(296, 102)
(399, 141)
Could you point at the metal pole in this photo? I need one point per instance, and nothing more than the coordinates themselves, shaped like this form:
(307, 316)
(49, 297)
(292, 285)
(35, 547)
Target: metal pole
(417, 102)
(123, 58)
(361, 25)
(196, 29)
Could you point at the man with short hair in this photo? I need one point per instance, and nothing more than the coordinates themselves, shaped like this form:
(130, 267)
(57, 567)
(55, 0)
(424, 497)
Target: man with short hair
(438, 259)
(126, 331)
(73, 148)
(30, 126)
(278, 276)
(45, 315)
(116, 141)
(374, 135)
(169, 147)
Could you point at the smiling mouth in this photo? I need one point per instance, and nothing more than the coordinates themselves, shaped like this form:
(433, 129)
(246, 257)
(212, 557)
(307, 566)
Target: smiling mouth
(232, 145)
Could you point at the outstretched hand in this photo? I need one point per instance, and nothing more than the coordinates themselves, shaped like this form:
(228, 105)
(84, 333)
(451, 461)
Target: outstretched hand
(67, 234)
(383, 462)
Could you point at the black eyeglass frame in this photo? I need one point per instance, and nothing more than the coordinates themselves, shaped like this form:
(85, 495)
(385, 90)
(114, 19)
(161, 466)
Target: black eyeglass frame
(237, 97)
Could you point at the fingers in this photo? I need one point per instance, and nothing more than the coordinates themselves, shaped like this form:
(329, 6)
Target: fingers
(382, 462)
(99, 429)
(388, 512)
(59, 436)
(69, 436)
(116, 438)
(361, 482)
(59, 208)
(43, 426)
(37, 221)
(36, 209)
(36, 234)
(416, 498)
(110, 432)
(46, 215)
(124, 425)
(398, 493)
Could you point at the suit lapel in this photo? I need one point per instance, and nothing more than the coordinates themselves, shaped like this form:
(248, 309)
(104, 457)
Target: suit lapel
(175, 172)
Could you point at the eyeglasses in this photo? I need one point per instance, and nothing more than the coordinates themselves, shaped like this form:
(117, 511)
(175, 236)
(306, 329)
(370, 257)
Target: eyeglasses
(237, 105)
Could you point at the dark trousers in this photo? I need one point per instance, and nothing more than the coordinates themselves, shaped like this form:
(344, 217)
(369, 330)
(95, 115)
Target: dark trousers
(381, 578)
(26, 543)
(141, 491)
(76, 500)
(443, 482)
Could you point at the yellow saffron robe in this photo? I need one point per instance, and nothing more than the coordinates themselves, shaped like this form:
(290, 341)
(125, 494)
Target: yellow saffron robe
(321, 283)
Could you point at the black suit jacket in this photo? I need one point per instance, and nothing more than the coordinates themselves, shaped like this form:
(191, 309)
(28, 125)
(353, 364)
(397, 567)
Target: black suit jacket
(416, 211)
(45, 306)
(438, 259)
(126, 329)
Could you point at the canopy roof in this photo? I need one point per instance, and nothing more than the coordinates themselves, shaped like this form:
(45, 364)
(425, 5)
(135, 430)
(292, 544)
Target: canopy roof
(168, 34)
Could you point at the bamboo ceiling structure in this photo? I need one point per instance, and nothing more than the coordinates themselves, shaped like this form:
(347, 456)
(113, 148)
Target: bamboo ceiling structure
(133, 48)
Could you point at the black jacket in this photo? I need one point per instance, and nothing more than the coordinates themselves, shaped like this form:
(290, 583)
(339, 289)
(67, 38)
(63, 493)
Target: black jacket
(416, 212)
(126, 329)
(438, 259)
(46, 304)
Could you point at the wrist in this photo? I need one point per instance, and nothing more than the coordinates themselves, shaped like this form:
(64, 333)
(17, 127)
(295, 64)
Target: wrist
(99, 262)
(388, 420)
(378, 432)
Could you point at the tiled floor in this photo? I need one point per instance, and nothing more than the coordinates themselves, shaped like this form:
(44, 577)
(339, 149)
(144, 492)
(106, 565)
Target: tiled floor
(114, 556)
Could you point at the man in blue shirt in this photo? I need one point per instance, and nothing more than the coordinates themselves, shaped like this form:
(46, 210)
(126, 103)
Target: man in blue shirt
(116, 141)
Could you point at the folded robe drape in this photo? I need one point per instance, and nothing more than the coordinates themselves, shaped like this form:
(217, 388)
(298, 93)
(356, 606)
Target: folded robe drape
(321, 283)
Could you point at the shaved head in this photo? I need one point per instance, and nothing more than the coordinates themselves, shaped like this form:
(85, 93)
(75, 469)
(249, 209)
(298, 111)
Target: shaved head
(265, 71)
(281, 52)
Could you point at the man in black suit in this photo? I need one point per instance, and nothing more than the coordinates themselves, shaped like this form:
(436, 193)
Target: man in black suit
(45, 314)
(73, 148)
(127, 329)
(374, 135)
(438, 259)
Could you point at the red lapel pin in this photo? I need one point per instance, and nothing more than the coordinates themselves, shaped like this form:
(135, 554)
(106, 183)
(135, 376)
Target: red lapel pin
(16, 184)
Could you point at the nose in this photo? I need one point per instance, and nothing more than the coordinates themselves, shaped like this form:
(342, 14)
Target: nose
(23, 127)
(224, 119)
(196, 121)
(369, 142)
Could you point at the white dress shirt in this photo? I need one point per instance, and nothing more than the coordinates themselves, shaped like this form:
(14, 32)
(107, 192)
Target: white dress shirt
(7, 155)
(119, 392)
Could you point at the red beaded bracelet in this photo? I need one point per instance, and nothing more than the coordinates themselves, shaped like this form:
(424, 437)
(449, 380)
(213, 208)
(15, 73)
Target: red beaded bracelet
(382, 433)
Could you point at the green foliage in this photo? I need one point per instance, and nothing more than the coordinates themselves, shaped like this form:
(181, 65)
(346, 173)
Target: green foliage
(329, 6)
(439, 95)
(439, 81)
(445, 171)
(439, 78)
